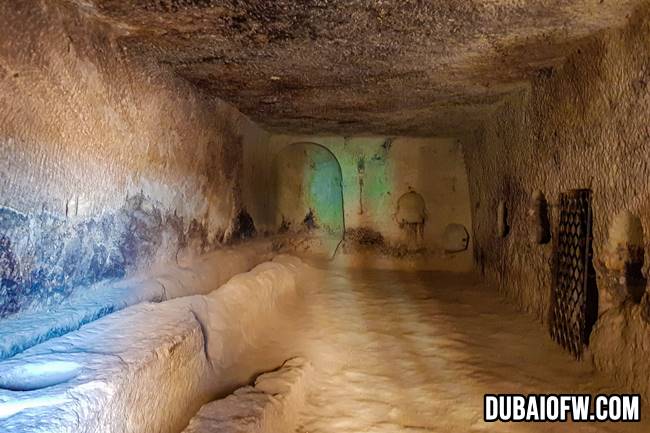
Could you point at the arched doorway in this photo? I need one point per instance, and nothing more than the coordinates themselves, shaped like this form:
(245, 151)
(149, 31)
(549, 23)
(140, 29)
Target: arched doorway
(308, 190)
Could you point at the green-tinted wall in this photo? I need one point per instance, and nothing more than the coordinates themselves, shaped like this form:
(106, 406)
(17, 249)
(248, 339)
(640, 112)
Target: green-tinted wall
(376, 172)
(308, 186)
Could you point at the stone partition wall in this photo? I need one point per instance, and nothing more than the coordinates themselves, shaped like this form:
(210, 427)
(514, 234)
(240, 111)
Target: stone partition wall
(109, 164)
(584, 125)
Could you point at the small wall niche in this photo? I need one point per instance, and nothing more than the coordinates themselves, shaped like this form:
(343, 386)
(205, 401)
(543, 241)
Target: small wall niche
(625, 242)
(538, 217)
(243, 227)
(503, 227)
(623, 257)
(411, 209)
(456, 238)
(411, 216)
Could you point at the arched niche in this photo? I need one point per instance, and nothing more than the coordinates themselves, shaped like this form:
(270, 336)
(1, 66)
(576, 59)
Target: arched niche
(456, 238)
(411, 209)
(411, 216)
(623, 258)
(308, 192)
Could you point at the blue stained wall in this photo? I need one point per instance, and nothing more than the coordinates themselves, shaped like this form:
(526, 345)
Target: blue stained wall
(44, 257)
(108, 164)
(308, 189)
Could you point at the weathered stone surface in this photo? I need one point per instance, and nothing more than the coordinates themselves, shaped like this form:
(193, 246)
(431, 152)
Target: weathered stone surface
(274, 404)
(582, 126)
(150, 367)
(411, 209)
(539, 226)
(625, 244)
(376, 172)
(123, 358)
(45, 256)
(191, 276)
(117, 153)
(386, 67)
(456, 238)
(108, 162)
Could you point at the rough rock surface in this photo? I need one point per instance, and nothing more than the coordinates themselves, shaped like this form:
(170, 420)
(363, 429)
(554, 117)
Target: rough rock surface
(109, 163)
(456, 238)
(194, 276)
(620, 346)
(583, 125)
(272, 405)
(150, 367)
(376, 171)
(244, 305)
(124, 358)
(385, 67)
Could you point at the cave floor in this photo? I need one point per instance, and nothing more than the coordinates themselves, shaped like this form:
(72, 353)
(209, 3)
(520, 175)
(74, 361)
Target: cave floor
(416, 352)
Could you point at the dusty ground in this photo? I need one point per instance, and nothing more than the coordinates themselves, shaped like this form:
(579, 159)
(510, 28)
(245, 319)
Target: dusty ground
(415, 352)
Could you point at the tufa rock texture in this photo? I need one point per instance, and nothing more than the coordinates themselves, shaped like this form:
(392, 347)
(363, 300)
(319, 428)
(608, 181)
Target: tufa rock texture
(273, 404)
(384, 67)
(108, 162)
(373, 173)
(583, 125)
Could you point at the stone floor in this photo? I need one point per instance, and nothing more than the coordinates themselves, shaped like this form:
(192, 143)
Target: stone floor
(416, 352)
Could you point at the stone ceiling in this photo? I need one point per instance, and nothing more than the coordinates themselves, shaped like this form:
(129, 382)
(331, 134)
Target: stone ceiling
(359, 66)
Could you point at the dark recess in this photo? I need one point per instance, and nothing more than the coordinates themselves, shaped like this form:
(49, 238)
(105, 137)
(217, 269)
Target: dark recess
(244, 227)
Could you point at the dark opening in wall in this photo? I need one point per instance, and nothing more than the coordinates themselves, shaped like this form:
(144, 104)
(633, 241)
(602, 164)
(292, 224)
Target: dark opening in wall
(243, 227)
(310, 220)
(503, 227)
